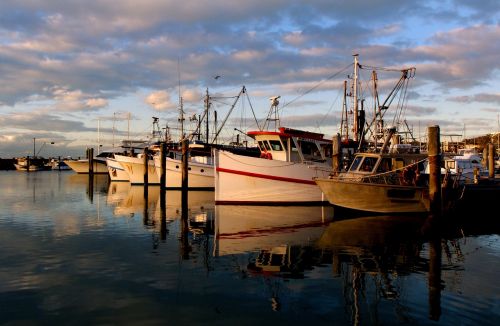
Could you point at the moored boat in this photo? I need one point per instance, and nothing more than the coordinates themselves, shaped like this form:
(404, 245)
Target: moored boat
(382, 182)
(284, 173)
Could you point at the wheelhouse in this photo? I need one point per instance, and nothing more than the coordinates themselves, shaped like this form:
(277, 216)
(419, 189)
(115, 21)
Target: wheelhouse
(292, 145)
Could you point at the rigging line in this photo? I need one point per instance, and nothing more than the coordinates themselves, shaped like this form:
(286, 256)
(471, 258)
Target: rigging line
(365, 67)
(314, 87)
(253, 112)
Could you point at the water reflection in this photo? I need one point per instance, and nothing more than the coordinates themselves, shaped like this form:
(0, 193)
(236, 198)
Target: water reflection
(69, 255)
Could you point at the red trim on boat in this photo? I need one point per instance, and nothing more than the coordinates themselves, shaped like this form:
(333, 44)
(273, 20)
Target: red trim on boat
(265, 176)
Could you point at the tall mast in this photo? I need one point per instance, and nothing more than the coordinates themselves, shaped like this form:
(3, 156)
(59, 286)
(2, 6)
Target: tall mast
(207, 107)
(355, 98)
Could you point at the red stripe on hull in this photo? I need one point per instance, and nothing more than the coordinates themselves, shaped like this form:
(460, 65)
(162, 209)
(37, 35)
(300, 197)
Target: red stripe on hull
(265, 176)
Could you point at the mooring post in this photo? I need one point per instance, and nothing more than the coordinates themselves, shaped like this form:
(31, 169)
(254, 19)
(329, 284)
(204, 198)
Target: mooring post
(336, 151)
(434, 155)
(90, 154)
(485, 156)
(145, 159)
(185, 168)
(28, 163)
(491, 161)
(185, 248)
(163, 160)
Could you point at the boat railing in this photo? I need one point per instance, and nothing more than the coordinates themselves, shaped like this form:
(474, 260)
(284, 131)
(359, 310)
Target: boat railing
(408, 175)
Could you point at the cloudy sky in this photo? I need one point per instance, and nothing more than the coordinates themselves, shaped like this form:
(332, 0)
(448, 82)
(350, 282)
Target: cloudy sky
(75, 72)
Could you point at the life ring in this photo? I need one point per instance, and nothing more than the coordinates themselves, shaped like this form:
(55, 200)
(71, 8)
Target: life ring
(266, 155)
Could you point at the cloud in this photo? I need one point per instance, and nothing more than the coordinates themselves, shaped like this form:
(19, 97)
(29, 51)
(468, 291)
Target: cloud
(160, 100)
(481, 97)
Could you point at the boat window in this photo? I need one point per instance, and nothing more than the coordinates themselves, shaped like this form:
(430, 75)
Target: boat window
(276, 145)
(266, 144)
(368, 164)
(261, 145)
(284, 141)
(292, 145)
(307, 148)
(355, 163)
(450, 165)
(385, 165)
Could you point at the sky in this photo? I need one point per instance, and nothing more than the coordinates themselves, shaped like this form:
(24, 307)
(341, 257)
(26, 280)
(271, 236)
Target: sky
(79, 73)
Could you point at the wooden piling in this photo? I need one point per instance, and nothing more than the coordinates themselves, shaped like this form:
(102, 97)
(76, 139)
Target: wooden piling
(485, 157)
(491, 161)
(90, 155)
(434, 155)
(146, 167)
(28, 163)
(336, 153)
(163, 160)
(185, 167)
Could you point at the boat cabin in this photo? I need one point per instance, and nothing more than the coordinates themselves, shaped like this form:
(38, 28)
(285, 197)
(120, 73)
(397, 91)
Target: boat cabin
(375, 163)
(292, 145)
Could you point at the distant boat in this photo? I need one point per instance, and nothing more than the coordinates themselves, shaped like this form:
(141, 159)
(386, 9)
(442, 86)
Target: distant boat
(32, 164)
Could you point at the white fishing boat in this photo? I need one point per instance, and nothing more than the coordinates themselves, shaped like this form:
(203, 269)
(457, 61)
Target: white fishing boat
(134, 167)
(200, 172)
(81, 166)
(116, 171)
(290, 160)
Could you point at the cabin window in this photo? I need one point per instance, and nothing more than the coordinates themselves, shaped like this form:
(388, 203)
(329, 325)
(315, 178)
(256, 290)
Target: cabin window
(385, 165)
(264, 146)
(368, 164)
(450, 165)
(293, 147)
(307, 148)
(399, 163)
(276, 145)
(284, 142)
(355, 163)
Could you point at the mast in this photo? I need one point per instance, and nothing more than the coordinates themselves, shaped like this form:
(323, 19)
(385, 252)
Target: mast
(355, 98)
(344, 124)
(207, 107)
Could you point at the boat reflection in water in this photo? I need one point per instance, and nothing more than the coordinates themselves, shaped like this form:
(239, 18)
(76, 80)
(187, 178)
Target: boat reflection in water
(276, 234)
(129, 200)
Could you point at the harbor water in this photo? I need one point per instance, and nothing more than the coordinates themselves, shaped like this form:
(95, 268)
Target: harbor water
(76, 250)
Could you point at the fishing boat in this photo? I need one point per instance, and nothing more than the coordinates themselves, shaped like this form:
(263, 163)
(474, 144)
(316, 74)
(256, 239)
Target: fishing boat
(370, 187)
(32, 164)
(201, 169)
(81, 166)
(283, 174)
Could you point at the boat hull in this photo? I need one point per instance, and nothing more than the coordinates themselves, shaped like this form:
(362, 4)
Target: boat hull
(249, 180)
(116, 171)
(134, 166)
(82, 166)
(376, 198)
(200, 175)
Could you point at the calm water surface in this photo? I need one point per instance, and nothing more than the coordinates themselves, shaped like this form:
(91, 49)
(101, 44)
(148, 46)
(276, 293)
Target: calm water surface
(80, 252)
